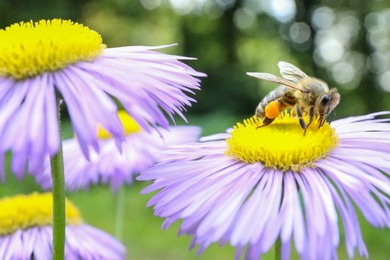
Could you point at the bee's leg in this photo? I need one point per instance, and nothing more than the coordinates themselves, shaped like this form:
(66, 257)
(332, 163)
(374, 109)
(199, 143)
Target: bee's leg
(293, 112)
(333, 116)
(300, 116)
(267, 121)
(311, 114)
(322, 121)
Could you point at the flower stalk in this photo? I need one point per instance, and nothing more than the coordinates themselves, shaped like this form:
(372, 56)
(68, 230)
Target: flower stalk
(278, 249)
(120, 198)
(59, 219)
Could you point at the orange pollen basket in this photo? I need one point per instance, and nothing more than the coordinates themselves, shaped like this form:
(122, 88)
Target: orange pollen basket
(272, 109)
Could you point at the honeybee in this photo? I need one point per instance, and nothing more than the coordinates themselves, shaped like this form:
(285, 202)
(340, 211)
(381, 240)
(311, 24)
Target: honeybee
(307, 94)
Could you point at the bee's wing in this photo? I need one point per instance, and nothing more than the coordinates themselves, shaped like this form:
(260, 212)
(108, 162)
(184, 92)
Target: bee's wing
(276, 79)
(290, 72)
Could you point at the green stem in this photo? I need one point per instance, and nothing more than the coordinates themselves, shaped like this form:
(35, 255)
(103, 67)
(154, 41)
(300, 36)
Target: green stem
(120, 197)
(59, 217)
(278, 249)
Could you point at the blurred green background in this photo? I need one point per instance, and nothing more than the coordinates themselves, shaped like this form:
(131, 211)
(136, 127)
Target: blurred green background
(346, 43)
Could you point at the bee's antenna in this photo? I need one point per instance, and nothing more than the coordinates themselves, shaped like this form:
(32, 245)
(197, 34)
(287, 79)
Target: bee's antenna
(333, 116)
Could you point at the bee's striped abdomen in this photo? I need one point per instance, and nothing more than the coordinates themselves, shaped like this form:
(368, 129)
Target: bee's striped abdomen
(273, 95)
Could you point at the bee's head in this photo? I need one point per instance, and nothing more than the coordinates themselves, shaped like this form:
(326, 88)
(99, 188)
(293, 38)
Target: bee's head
(327, 102)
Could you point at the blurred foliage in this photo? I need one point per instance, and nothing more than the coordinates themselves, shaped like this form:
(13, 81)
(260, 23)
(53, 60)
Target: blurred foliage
(345, 43)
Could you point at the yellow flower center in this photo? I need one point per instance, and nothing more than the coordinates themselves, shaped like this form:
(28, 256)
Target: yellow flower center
(32, 48)
(281, 145)
(36, 209)
(130, 126)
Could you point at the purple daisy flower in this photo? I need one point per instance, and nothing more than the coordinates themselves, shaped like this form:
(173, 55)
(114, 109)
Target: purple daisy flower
(138, 152)
(38, 60)
(26, 232)
(254, 186)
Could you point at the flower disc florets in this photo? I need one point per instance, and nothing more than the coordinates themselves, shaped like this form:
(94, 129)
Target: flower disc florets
(26, 211)
(24, 53)
(282, 144)
(130, 126)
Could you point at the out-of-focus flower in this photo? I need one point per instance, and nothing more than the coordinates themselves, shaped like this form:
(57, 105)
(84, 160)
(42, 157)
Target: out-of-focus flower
(138, 152)
(42, 58)
(258, 184)
(26, 231)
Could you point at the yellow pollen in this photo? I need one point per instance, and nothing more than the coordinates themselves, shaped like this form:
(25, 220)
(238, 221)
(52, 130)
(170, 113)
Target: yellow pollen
(130, 126)
(32, 48)
(282, 144)
(36, 209)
